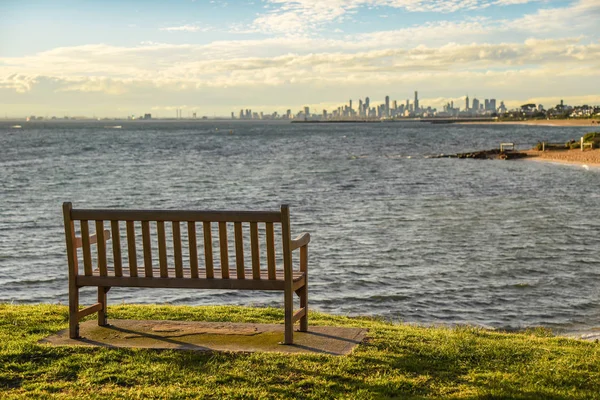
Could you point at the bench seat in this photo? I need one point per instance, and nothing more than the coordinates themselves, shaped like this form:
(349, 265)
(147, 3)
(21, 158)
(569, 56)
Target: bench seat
(264, 283)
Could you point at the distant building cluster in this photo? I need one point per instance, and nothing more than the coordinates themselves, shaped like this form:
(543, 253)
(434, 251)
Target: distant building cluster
(475, 108)
(561, 110)
(394, 109)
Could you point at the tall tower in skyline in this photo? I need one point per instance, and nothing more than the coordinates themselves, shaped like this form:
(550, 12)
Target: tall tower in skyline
(387, 106)
(416, 101)
(467, 103)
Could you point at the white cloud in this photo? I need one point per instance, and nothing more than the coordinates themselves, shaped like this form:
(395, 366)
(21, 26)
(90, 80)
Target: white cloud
(294, 17)
(109, 69)
(581, 16)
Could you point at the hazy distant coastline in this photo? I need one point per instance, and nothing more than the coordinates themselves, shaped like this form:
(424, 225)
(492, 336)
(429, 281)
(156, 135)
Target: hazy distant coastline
(542, 122)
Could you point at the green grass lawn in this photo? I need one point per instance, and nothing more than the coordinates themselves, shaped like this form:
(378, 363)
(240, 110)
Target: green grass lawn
(396, 361)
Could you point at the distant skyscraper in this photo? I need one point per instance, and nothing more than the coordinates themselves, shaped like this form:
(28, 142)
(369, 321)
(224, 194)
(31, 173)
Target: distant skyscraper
(360, 108)
(467, 108)
(493, 105)
(350, 104)
(387, 106)
(416, 101)
(475, 104)
(306, 111)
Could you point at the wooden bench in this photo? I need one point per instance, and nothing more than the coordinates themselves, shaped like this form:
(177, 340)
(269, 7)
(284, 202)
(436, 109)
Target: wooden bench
(178, 262)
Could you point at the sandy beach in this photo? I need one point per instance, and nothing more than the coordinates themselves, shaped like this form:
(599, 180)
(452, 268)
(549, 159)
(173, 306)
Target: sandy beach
(577, 157)
(543, 122)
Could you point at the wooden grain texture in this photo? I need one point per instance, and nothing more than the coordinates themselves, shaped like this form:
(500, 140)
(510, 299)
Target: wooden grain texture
(73, 271)
(271, 250)
(116, 247)
(288, 294)
(302, 240)
(177, 250)
(131, 250)
(208, 251)
(224, 250)
(239, 250)
(304, 290)
(193, 247)
(298, 314)
(162, 249)
(147, 245)
(254, 246)
(298, 277)
(103, 301)
(200, 283)
(89, 310)
(176, 215)
(101, 247)
(87, 250)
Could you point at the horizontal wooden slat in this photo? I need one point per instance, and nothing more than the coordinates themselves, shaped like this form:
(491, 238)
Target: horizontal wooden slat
(298, 314)
(214, 283)
(90, 310)
(297, 275)
(93, 239)
(176, 215)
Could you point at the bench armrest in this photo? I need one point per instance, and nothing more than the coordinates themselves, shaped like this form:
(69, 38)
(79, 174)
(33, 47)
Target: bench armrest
(93, 239)
(302, 240)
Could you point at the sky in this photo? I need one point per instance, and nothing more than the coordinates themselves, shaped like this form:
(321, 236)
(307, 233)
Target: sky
(114, 58)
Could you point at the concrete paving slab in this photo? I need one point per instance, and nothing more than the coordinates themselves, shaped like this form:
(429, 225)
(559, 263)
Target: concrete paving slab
(211, 336)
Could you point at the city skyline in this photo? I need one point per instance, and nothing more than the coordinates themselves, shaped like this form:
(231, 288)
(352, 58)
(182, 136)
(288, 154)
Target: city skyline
(132, 57)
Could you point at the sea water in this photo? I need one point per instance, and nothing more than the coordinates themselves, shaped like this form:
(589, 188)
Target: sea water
(505, 244)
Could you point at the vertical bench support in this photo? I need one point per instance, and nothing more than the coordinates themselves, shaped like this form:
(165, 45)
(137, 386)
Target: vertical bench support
(288, 293)
(102, 318)
(73, 271)
(304, 290)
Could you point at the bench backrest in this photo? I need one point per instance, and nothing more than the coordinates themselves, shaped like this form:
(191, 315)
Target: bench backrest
(175, 235)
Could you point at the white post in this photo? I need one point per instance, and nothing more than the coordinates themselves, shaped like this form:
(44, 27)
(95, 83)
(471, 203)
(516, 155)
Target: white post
(582, 143)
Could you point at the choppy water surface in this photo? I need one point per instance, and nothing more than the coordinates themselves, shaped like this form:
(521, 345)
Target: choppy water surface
(493, 243)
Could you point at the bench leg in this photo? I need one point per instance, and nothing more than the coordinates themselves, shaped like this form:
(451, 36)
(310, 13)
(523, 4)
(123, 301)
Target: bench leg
(289, 314)
(304, 304)
(102, 320)
(73, 310)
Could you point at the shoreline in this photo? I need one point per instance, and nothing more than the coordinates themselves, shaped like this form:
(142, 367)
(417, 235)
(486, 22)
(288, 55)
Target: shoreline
(540, 122)
(590, 158)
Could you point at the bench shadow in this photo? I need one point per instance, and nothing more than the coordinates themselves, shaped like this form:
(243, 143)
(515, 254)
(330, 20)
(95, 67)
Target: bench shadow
(325, 335)
(180, 344)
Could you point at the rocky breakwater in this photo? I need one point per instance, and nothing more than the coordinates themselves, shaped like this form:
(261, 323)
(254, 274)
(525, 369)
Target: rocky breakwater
(494, 154)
